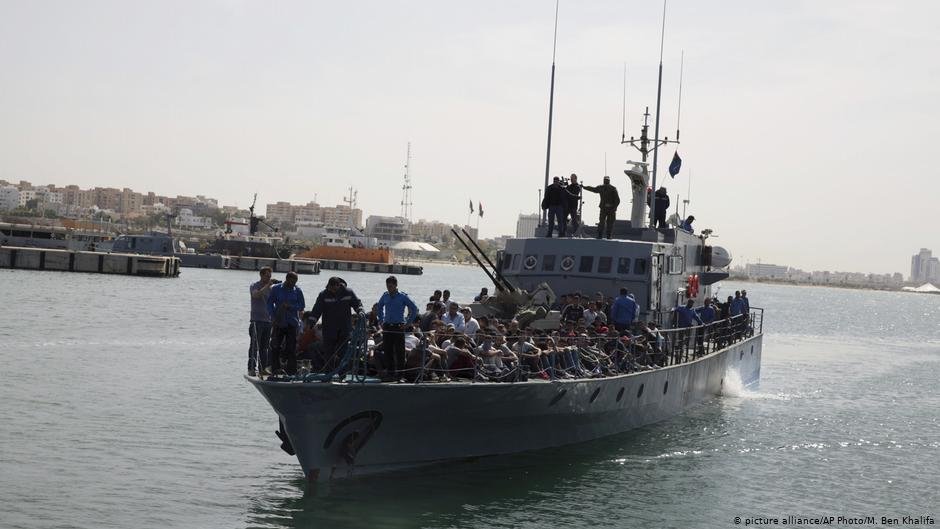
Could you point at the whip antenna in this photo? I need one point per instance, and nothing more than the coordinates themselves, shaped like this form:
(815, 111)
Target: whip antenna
(659, 93)
(551, 104)
(623, 129)
(679, 111)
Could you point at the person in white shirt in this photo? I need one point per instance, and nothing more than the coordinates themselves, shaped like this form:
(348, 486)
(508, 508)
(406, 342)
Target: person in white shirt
(454, 317)
(590, 314)
(471, 325)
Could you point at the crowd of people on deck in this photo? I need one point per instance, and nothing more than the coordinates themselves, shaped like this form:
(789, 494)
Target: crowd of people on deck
(594, 336)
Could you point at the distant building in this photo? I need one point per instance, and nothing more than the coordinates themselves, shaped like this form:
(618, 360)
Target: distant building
(924, 267)
(525, 226)
(186, 219)
(9, 198)
(387, 229)
(766, 271)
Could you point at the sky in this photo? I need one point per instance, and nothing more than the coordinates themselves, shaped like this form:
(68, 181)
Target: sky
(807, 128)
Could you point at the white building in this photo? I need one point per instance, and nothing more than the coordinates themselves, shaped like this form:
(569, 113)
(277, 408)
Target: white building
(525, 226)
(388, 228)
(186, 219)
(9, 198)
(766, 271)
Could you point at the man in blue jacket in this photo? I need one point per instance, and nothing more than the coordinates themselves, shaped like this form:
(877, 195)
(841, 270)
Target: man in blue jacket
(623, 311)
(335, 304)
(686, 315)
(391, 312)
(286, 306)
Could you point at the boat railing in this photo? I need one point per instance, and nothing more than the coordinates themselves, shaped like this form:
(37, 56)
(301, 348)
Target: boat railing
(564, 357)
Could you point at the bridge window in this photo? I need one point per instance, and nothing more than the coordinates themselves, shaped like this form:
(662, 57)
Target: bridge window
(507, 261)
(639, 267)
(623, 265)
(674, 264)
(548, 263)
(587, 263)
(603, 265)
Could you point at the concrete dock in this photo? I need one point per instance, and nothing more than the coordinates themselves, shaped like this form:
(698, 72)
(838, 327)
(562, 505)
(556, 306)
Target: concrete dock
(383, 268)
(92, 262)
(299, 266)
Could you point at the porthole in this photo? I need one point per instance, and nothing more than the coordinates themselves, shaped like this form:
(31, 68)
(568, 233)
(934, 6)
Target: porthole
(665, 387)
(595, 394)
(558, 397)
(619, 394)
(639, 392)
(752, 349)
(742, 356)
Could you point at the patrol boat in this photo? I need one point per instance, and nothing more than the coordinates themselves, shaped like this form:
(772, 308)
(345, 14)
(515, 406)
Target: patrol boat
(344, 423)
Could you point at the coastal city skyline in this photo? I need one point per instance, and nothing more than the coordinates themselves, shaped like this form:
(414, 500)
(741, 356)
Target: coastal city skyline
(247, 99)
(127, 203)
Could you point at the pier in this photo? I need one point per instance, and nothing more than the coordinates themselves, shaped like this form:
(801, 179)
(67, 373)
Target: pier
(92, 262)
(299, 266)
(382, 268)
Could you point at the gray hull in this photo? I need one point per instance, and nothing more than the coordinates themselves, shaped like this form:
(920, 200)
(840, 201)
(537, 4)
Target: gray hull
(340, 430)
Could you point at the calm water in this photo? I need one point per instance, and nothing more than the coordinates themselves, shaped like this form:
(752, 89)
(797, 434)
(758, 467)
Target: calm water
(123, 405)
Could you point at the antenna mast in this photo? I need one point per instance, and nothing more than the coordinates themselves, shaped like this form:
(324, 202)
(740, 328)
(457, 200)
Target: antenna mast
(551, 104)
(406, 205)
(659, 94)
(352, 201)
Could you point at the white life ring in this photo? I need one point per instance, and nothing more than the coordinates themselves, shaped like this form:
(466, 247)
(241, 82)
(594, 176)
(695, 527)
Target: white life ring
(567, 263)
(530, 262)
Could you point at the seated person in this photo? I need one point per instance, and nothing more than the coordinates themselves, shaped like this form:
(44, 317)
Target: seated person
(461, 362)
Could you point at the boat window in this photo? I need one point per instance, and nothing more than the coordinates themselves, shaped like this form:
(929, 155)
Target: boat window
(674, 264)
(623, 265)
(507, 261)
(133, 242)
(639, 267)
(587, 263)
(603, 265)
(515, 261)
(548, 263)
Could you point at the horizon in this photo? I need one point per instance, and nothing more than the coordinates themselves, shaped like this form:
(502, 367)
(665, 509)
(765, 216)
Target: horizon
(180, 98)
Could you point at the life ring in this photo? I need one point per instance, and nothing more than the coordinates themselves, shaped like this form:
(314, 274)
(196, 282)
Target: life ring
(530, 262)
(691, 286)
(567, 263)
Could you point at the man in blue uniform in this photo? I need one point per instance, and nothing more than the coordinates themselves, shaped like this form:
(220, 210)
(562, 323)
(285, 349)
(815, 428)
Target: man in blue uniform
(686, 315)
(335, 304)
(391, 313)
(286, 306)
(623, 311)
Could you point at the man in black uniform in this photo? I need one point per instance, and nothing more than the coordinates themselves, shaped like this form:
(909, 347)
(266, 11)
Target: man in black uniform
(554, 201)
(610, 199)
(660, 201)
(573, 196)
(335, 304)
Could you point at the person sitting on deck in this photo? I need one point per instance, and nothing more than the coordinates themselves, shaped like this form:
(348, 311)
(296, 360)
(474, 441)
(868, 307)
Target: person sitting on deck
(461, 362)
(484, 293)
(454, 317)
(574, 310)
(471, 326)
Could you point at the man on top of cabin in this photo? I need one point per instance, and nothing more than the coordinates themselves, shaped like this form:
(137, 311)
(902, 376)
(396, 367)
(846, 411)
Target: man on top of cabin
(610, 199)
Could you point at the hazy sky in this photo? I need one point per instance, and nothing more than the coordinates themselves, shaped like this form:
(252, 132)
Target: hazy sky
(808, 127)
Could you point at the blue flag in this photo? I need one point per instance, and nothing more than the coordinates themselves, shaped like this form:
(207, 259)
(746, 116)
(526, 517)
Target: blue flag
(675, 165)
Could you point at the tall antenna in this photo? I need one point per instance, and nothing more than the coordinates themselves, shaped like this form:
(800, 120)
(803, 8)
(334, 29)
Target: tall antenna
(623, 129)
(406, 205)
(679, 110)
(551, 104)
(659, 94)
(352, 201)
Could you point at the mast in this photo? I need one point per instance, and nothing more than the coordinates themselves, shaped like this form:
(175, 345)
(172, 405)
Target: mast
(551, 104)
(659, 94)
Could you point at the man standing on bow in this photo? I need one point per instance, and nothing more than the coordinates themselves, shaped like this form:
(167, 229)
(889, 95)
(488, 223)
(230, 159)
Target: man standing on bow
(610, 199)
(554, 201)
(286, 306)
(335, 304)
(391, 309)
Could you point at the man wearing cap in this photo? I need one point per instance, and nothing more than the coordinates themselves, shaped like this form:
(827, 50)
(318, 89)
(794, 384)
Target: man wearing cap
(554, 201)
(391, 311)
(335, 304)
(610, 199)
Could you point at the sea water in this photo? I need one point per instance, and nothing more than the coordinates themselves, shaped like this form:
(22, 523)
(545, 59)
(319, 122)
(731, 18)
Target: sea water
(123, 405)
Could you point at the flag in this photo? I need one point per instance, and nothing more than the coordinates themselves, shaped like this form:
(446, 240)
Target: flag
(675, 165)
(480, 208)
(471, 205)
